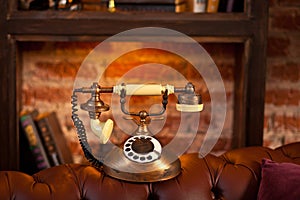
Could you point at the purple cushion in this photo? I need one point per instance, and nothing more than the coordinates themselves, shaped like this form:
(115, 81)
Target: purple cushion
(279, 181)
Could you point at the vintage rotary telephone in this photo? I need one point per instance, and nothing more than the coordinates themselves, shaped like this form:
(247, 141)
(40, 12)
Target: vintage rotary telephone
(142, 158)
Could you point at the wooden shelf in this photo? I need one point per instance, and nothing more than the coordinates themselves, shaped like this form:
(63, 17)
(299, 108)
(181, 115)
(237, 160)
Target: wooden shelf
(105, 23)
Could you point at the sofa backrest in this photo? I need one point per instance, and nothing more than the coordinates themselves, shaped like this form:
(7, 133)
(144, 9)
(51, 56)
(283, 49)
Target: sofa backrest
(235, 175)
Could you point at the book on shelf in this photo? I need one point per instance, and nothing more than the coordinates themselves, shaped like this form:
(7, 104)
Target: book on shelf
(198, 6)
(235, 6)
(151, 6)
(222, 5)
(94, 5)
(35, 145)
(151, 1)
(231, 6)
(43, 144)
(212, 6)
(53, 139)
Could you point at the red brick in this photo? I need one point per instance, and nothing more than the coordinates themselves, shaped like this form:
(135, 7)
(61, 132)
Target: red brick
(220, 50)
(49, 94)
(289, 2)
(75, 148)
(282, 96)
(285, 72)
(27, 96)
(278, 46)
(272, 3)
(226, 71)
(145, 56)
(285, 19)
(283, 120)
(75, 45)
(60, 69)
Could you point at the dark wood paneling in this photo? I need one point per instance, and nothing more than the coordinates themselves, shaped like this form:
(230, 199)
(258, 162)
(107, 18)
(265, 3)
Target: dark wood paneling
(257, 76)
(85, 23)
(240, 94)
(9, 146)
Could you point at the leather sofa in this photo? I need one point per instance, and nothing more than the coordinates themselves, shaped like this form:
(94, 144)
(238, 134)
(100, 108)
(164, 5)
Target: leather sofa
(235, 175)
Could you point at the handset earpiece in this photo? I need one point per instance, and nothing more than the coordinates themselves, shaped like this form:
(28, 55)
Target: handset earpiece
(102, 130)
(189, 101)
(95, 106)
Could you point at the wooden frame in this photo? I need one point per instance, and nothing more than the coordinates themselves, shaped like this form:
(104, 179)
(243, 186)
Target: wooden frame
(248, 28)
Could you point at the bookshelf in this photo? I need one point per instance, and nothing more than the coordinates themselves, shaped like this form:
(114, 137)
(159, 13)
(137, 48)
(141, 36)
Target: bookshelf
(248, 28)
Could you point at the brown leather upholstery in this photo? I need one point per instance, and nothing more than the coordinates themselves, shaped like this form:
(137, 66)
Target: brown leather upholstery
(233, 176)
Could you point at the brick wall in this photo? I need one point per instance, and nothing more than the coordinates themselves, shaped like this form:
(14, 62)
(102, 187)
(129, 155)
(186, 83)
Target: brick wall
(49, 70)
(282, 107)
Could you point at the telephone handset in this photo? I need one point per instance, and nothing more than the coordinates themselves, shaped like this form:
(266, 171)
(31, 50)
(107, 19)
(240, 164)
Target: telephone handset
(142, 158)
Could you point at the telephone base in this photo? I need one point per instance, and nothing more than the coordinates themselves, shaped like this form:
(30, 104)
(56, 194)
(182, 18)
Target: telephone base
(118, 166)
